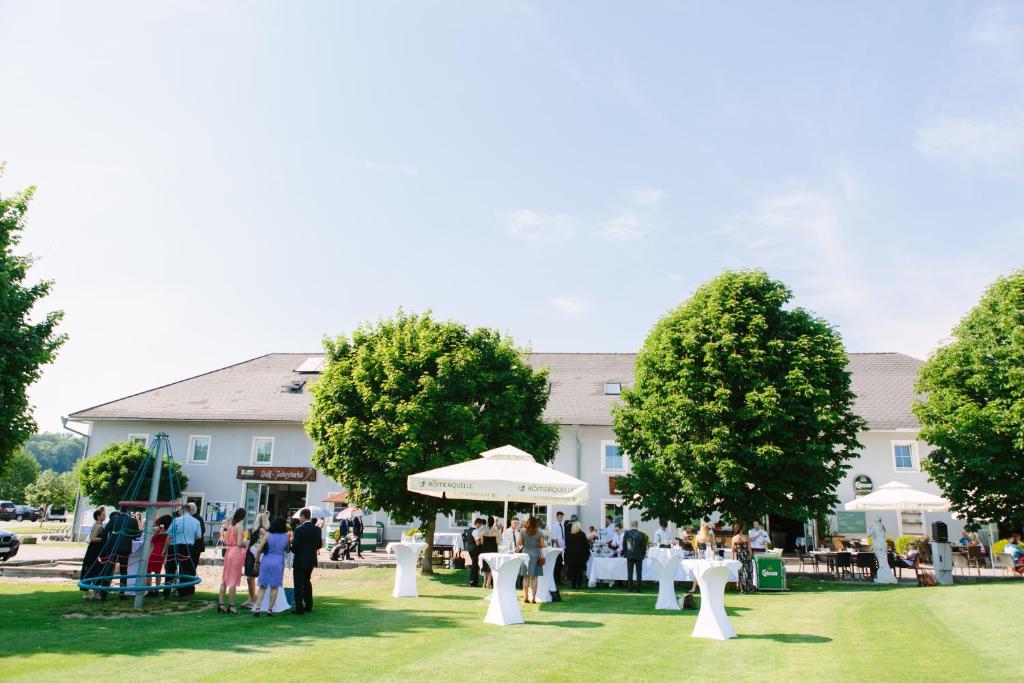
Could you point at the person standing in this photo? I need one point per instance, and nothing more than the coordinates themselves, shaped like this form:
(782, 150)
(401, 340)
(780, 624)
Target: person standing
(662, 537)
(184, 533)
(634, 549)
(474, 550)
(234, 560)
(307, 539)
(577, 552)
(510, 537)
(489, 545)
(199, 547)
(259, 531)
(357, 529)
(157, 551)
(758, 538)
(533, 541)
(609, 529)
(122, 530)
(93, 565)
(741, 553)
(270, 564)
(558, 541)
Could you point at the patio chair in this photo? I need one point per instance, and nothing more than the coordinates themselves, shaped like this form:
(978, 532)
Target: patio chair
(807, 559)
(974, 558)
(1007, 563)
(865, 564)
(844, 564)
(960, 562)
(925, 551)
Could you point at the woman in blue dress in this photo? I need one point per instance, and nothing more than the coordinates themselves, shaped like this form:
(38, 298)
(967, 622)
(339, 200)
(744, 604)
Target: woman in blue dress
(270, 563)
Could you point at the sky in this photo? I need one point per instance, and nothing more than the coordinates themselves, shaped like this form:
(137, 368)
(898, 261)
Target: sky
(221, 180)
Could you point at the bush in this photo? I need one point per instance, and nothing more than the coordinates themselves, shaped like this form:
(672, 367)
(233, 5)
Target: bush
(999, 546)
(903, 542)
(107, 475)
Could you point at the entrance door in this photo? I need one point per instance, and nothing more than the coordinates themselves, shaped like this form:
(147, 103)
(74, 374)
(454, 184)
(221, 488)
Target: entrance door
(784, 531)
(256, 495)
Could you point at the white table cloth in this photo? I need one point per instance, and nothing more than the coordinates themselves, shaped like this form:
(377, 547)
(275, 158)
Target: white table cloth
(666, 561)
(454, 540)
(504, 607)
(405, 568)
(546, 584)
(134, 560)
(614, 569)
(712, 575)
(281, 603)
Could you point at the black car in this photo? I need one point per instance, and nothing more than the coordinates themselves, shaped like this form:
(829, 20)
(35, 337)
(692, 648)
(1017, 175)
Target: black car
(9, 545)
(27, 512)
(8, 510)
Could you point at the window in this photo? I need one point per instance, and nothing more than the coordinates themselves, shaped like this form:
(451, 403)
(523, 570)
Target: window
(199, 449)
(612, 457)
(612, 388)
(912, 523)
(139, 438)
(903, 456)
(263, 450)
(461, 518)
(613, 509)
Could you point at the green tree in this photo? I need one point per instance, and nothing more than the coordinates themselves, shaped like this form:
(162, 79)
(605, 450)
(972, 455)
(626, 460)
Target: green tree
(24, 346)
(55, 451)
(53, 489)
(19, 472)
(106, 476)
(740, 405)
(410, 394)
(973, 413)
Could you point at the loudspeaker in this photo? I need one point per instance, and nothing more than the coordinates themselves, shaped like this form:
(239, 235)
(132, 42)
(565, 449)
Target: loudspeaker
(940, 534)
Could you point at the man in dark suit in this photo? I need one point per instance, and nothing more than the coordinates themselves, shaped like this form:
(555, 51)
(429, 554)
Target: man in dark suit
(122, 529)
(306, 542)
(634, 549)
(357, 529)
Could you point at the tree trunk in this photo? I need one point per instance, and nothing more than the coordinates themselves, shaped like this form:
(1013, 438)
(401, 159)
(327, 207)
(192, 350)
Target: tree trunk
(428, 538)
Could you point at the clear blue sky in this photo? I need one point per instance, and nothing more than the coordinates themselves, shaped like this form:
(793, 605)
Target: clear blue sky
(221, 180)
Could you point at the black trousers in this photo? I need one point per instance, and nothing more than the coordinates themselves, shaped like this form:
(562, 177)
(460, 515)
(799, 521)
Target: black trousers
(474, 570)
(575, 572)
(638, 566)
(558, 569)
(301, 577)
(179, 561)
(359, 545)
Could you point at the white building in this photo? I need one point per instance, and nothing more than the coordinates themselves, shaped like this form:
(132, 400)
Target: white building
(238, 432)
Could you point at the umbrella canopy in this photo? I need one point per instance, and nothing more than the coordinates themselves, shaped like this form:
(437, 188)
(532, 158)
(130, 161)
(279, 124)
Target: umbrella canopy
(349, 513)
(317, 512)
(901, 497)
(501, 474)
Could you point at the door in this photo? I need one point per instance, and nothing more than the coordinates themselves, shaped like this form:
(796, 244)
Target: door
(255, 501)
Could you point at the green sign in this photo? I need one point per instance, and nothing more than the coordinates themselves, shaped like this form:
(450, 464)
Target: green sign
(852, 522)
(769, 573)
(862, 485)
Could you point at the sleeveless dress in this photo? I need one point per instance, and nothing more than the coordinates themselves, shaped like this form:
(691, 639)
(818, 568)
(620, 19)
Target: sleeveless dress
(234, 559)
(91, 564)
(155, 563)
(746, 572)
(250, 560)
(272, 563)
(531, 546)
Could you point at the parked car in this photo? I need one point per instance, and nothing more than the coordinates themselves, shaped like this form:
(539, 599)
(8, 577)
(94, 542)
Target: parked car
(9, 545)
(57, 514)
(27, 513)
(8, 510)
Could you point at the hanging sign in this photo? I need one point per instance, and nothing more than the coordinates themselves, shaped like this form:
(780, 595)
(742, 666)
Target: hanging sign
(862, 485)
(276, 473)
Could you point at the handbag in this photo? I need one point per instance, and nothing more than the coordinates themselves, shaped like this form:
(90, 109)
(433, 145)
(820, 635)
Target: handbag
(541, 561)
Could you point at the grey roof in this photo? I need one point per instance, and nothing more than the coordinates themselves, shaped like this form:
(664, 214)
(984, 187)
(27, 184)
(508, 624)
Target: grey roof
(251, 391)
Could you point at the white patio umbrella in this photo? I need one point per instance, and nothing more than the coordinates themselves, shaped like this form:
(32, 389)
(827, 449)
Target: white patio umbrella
(504, 474)
(349, 512)
(317, 512)
(899, 497)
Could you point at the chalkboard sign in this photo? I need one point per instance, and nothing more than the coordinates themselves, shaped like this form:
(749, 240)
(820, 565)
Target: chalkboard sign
(852, 522)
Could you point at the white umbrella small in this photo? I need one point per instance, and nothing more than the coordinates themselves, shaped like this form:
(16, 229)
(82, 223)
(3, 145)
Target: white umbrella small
(317, 512)
(349, 513)
(899, 497)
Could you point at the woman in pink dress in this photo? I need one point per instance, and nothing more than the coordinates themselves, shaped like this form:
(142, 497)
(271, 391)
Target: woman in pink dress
(234, 560)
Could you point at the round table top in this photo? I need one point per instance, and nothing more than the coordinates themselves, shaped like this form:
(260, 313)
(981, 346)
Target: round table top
(415, 547)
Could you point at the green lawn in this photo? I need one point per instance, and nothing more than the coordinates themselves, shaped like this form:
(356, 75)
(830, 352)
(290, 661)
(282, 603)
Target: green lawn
(819, 632)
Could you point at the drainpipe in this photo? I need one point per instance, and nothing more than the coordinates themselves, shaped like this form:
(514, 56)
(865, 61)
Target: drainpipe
(75, 524)
(579, 459)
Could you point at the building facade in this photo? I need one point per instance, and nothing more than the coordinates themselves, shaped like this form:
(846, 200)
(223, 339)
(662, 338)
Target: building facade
(238, 432)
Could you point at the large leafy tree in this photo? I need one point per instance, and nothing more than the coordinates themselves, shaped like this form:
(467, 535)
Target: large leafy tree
(410, 394)
(973, 413)
(52, 488)
(57, 452)
(19, 472)
(24, 346)
(740, 405)
(105, 478)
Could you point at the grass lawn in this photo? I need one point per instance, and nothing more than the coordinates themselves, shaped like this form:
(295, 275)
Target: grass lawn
(818, 631)
(33, 528)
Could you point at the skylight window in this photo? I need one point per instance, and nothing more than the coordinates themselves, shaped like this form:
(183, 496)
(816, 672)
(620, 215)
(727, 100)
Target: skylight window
(612, 388)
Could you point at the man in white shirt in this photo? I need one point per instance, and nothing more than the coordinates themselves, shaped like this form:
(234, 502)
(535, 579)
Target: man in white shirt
(474, 552)
(616, 541)
(510, 536)
(758, 539)
(558, 540)
(609, 529)
(662, 537)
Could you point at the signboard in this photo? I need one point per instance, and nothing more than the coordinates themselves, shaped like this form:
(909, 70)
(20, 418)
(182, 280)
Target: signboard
(612, 488)
(862, 485)
(276, 473)
(852, 522)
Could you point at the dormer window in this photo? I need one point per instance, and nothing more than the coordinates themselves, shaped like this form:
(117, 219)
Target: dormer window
(612, 388)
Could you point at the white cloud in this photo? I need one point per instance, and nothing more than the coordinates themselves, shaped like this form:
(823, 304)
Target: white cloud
(570, 304)
(999, 28)
(675, 277)
(537, 226)
(411, 171)
(624, 227)
(646, 196)
(994, 143)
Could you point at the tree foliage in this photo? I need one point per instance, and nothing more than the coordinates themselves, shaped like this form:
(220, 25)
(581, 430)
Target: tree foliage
(105, 477)
(411, 394)
(24, 346)
(18, 473)
(973, 413)
(739, 406)
(56, 489)
(56, 451)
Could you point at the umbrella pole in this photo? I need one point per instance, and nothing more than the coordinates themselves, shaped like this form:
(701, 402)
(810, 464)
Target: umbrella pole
(504, 520)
